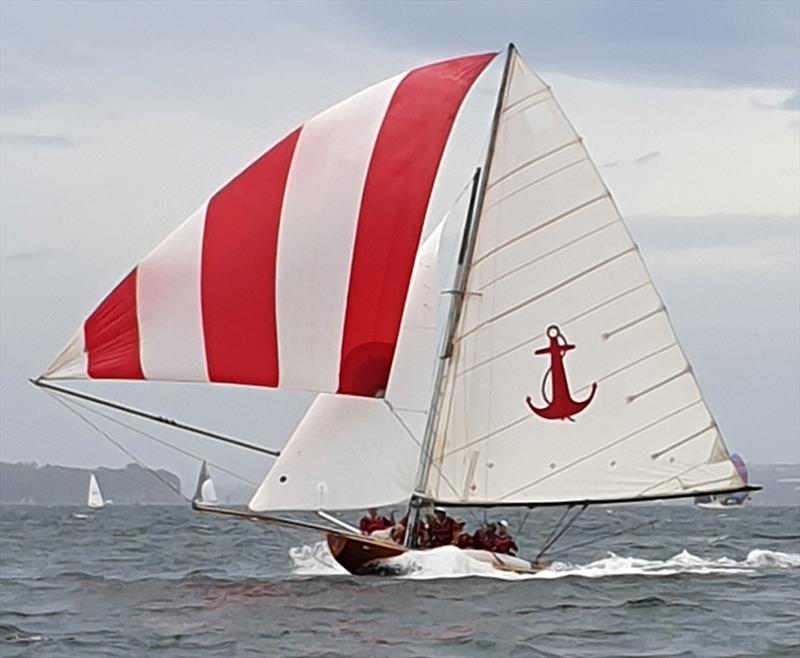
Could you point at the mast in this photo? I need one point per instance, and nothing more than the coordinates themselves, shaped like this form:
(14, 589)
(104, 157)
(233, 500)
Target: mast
(466, 250)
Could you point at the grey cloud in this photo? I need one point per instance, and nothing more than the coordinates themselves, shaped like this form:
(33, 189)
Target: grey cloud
(667, 233)
(25, 256)
(34, 140)
(648, 157)
(791, 103)
(705, 43)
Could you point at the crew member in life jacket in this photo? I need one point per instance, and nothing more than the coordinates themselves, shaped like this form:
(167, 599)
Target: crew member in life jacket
(372, 522)
(442, 528)
(461, 537)
(484, 537)
(503, 542)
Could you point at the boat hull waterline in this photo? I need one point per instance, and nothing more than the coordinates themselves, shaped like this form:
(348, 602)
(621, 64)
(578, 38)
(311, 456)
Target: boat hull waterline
(362, 555)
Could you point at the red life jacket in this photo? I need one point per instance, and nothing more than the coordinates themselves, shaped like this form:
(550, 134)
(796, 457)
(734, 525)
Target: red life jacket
(503, 544)
(482, 540)
(368, 525)
(442, 533)
(464, 540)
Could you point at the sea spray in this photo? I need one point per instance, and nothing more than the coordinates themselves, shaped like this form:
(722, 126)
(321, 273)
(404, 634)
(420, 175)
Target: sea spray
(450, 562)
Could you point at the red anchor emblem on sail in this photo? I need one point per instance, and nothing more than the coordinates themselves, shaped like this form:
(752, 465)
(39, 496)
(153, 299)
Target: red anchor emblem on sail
(562, 406)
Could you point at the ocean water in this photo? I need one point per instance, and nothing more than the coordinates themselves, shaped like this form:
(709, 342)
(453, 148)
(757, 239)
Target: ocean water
(165, 581)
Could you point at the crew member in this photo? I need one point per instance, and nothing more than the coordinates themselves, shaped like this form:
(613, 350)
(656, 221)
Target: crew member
(461, 537)
(503, 542)
(483, 537)
(372, 522)
(398, 530)
(442, 528)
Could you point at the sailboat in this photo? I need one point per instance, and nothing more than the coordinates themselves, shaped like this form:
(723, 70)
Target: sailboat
(545, 371)
(94, 498)
(205, 492)
(734, 500)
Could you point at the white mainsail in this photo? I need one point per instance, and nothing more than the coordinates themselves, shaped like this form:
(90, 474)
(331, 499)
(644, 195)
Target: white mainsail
(608, 407)
(350, 452)
(94, 498)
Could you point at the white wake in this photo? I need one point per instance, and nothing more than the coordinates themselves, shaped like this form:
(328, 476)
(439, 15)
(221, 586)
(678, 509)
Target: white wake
(450, 562)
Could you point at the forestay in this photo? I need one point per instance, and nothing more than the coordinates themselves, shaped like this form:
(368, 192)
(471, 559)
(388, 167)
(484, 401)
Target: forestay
(350, 452)
(566, 382)
(294, 274)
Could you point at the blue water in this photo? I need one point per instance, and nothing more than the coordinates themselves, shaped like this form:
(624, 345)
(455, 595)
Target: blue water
(164, 581)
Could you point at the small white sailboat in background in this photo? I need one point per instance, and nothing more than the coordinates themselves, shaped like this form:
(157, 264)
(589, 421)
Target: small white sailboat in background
(205, 492)
(94, 498)
(728, 501)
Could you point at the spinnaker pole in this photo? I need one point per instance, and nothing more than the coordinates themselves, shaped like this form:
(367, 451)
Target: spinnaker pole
(133, 411)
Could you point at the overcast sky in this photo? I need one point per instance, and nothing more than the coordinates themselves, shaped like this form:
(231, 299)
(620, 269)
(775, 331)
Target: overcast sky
(119, 119)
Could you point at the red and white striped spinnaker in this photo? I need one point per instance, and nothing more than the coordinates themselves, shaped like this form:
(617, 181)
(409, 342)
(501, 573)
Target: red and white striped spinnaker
(295, 273)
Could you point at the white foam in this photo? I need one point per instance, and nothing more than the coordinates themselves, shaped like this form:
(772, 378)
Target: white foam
(451, 562)
(315, 560)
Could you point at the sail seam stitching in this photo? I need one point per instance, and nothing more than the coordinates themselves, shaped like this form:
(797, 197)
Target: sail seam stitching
(533, 339)
(677, 444)
(597, 451)
(555, 250)
(533, 183)
(632, 398)
(635, 362)
(605, 377)
(539, 227)
(533, 161)
(633, 323)
(516, 103)
(678, 477)
(547, 292)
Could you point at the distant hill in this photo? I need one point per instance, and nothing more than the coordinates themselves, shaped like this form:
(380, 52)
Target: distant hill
(133, 485)
(62, 485)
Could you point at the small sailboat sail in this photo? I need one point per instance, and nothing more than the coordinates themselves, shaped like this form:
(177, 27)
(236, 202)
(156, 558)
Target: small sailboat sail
(94, 498)
(205, 492)
(724, 501)
(558, 379)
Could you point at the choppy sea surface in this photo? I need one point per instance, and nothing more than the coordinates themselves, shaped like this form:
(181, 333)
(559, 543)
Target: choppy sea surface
(165, 581)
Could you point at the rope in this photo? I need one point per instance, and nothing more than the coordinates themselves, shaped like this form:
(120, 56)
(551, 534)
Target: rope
(122, 448)
(524, 518)
(166, 444)
(561, 532)
(603, 537)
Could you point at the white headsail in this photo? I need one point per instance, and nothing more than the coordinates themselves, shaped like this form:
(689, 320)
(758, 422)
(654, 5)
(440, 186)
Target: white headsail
(94, 498)
(350, 452)
(566, 382)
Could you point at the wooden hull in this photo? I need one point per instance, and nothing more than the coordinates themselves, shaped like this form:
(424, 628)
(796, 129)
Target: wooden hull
(360, 555)
(355, 553)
